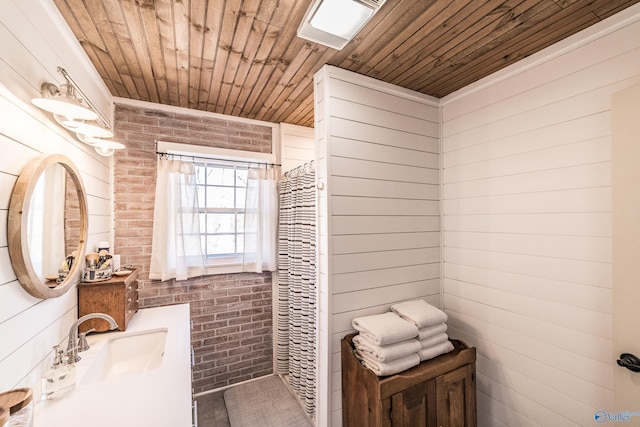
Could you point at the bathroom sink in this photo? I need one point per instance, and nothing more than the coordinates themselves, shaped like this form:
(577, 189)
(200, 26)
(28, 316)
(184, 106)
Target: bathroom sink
(128, 353)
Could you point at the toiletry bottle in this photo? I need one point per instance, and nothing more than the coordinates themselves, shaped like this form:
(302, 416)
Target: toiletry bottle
(60, 379)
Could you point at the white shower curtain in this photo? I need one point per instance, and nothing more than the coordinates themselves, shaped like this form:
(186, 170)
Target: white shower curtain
(296, 334)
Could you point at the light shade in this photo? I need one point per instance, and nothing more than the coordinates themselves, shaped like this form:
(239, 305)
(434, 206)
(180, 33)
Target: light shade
(334, 23)
(92, 130)
(63, 102)
(107, 148)
(68, 122)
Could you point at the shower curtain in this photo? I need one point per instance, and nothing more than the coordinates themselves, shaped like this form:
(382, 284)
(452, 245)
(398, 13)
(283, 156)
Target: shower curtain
(296, 334)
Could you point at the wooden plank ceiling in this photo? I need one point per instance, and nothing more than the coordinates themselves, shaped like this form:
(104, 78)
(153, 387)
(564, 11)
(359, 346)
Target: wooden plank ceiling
(243, 58)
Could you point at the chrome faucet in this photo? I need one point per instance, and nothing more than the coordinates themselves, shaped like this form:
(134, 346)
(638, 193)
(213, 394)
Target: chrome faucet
(72, 345)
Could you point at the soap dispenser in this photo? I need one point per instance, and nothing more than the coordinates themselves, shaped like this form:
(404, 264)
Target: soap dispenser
(60, 379)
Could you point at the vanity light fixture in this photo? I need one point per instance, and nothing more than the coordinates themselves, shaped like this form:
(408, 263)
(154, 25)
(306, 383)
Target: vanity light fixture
(63, 102)
(67, 104)
(334, 23)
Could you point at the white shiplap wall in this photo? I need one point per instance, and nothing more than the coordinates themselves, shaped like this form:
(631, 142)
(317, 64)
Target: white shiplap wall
(378, 227)
(34, 43)
(527, 277)
(297, 146)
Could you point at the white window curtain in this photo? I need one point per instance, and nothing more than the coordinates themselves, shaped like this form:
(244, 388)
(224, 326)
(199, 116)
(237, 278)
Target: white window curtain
(261, 220)
(176, 251)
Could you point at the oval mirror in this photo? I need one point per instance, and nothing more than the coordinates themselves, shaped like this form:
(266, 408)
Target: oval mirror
(47, 226)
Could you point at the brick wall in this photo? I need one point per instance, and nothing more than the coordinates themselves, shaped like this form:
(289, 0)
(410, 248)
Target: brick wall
(231, 313)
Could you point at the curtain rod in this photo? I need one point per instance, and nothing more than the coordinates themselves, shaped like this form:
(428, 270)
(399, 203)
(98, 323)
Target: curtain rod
(301, 170)
(193, 157)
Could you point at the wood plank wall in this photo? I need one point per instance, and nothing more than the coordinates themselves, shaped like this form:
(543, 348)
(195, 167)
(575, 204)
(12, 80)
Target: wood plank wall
(379, 240)
(32, 46)
(527, 226)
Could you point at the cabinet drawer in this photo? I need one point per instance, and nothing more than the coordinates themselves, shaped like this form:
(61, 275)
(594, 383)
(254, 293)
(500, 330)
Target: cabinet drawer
(117, 297)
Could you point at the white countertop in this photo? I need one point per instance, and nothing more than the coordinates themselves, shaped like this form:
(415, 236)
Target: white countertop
(157, 398)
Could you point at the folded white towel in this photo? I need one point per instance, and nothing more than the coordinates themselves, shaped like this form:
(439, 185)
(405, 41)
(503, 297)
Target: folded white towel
(437, 350)
(419, 312)
(434, 340)
(430, 331)
(384, 369)
(385, 353)
(384, 329)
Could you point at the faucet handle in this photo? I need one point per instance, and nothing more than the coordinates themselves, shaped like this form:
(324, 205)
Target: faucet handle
(83, 345)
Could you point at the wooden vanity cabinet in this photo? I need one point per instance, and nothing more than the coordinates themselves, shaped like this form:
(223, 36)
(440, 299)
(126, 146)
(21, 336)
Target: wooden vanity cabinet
(117, 297)
(440, 392)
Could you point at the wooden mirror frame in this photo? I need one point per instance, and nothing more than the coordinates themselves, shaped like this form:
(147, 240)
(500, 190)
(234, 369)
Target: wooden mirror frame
(17, 222)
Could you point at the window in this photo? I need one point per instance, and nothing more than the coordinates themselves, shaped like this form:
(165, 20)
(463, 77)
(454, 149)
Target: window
(221, 190)
(237, 208)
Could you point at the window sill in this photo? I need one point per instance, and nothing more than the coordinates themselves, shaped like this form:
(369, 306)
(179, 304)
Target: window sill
(224, 269)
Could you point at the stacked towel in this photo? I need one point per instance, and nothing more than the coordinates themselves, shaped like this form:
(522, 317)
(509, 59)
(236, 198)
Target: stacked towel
(386, 343)
(430, 331)
(419, 312)
(431, 324)
(385, 353)
(383, 369)
(384, 329)
(413, 331)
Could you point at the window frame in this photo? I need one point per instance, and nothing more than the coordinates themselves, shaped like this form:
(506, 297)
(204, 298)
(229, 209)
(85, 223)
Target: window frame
(230, 259)
(201, 154)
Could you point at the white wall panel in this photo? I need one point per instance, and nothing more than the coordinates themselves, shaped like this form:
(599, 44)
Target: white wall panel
(13, 300)
(383, 170)
(384, 224)
(527, 226)
(392, 293)
(589, 175)
(355, 281)
(365, 150)
(297, 146)
(6, 270)
(579, 224)
(580, 200)
(576, 318)
(575, 271)
(570, 247)
(559, 156)
(3, 227)
(374, 134)
(380, 259)
(583, 128)
(594, 298)
(563, 335)
(381, 219)
(363, 242)
(356, 186)
(535, 398)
